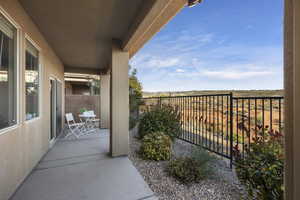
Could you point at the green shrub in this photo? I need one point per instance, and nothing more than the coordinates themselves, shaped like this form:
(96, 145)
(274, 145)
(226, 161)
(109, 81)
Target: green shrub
(163, 118)
(156, 146)
(191, 169)
(261, 171)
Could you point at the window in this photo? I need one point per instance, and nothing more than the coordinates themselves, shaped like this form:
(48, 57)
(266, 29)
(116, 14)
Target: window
(8, 74)
(32, 81)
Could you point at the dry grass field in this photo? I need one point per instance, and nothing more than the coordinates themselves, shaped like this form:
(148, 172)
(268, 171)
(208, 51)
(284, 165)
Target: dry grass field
(236, 93)
(207, 119)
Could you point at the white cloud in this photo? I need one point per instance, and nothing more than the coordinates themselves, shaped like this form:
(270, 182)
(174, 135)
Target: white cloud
(148, 61)
(199, 38)
(185, 42)
(184, 63)
(235, 74)
(180, 70)
(169, 62)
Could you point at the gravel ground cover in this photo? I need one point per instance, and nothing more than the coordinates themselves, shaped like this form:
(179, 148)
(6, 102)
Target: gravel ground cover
(222, 185)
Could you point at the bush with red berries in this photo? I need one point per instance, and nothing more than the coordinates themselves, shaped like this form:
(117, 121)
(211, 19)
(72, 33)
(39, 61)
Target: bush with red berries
(261, 169)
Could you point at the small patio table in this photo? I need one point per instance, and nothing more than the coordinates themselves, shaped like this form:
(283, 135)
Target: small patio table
(88, 120)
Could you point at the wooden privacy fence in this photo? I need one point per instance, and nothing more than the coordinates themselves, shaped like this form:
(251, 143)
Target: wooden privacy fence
(73, 104)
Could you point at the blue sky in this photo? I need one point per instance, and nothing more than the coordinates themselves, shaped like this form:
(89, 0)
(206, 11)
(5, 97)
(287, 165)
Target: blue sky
(218, 44)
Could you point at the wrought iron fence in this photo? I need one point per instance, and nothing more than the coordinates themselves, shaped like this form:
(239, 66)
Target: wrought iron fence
(220, 122)
(253, 116)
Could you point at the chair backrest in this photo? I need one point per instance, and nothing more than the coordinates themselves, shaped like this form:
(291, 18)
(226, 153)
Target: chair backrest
(69, 117)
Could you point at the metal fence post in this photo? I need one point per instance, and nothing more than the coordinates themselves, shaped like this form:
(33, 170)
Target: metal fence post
(159, 101)
(231, 129)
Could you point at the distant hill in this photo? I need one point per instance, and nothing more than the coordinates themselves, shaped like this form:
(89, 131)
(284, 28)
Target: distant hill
(237, 93)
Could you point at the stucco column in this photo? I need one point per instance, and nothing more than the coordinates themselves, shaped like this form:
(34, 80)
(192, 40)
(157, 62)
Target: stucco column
(296, 88)
(119, 142)
(292, 98)
(105, 101)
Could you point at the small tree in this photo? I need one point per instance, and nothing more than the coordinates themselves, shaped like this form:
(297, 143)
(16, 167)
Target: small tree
(135, 95)
(135, 85)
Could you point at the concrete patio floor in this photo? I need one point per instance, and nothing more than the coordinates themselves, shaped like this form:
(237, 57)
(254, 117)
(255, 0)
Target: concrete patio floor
(82, 170)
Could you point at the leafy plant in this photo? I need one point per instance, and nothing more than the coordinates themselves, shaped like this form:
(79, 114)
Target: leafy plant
(156, 146)
(135, 95)
(192, 168)
(261, 170)
(82, 110)
(162, 118)
(135, 91)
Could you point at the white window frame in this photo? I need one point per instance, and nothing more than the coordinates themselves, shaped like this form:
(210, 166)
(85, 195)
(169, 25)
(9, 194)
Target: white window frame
(17, 65)
(34, 44)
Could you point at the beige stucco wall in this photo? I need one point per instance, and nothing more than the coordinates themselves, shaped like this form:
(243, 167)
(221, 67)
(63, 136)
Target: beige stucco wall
(288, 92)
(105, 101)
(292, 98)
(23, 146)
(296, 101)
(119, 102)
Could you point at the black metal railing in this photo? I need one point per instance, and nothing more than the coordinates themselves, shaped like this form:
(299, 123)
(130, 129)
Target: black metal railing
(221, 122)
(253, 116)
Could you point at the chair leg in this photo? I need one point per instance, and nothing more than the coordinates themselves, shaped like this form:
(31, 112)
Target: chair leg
(72, 132)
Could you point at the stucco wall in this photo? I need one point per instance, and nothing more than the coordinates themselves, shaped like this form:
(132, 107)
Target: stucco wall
(105, 101)
(22, 146)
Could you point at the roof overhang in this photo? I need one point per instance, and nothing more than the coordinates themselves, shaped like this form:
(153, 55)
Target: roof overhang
(81, 32)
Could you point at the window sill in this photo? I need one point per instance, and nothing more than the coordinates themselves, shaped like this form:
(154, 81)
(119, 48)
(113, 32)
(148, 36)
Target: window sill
(8, 129)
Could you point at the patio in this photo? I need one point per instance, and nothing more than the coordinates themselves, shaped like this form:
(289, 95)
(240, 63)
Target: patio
(82, 169)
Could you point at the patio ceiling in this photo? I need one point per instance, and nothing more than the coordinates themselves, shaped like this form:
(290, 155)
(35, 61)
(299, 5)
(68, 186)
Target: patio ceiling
(81, 32)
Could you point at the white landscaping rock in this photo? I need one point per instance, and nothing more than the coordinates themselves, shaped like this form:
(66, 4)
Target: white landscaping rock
(224, 185)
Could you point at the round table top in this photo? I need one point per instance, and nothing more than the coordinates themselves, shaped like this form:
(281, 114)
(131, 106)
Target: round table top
(86, 116)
